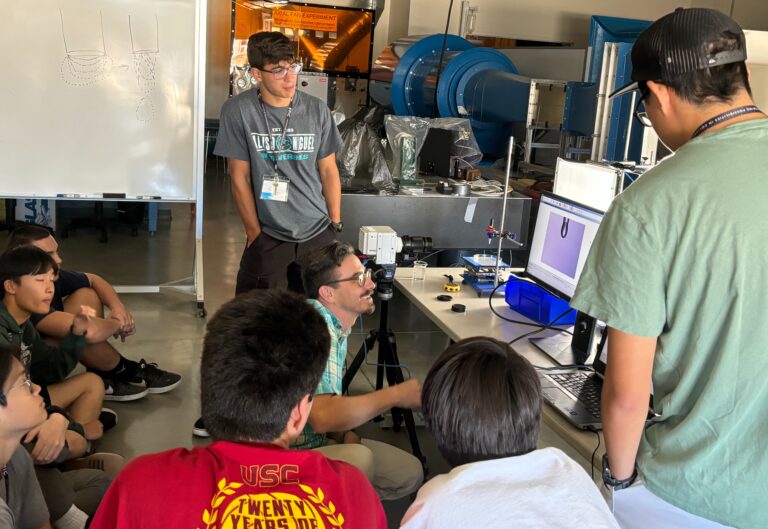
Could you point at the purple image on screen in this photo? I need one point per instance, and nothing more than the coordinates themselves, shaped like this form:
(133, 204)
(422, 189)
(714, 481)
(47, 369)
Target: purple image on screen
(562, 244)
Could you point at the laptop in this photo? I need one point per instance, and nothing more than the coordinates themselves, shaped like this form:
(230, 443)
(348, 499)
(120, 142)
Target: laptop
(562, 238)
(575, 393)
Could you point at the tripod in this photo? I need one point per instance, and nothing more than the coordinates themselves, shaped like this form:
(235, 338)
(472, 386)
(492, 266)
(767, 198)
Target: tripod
(389, 361)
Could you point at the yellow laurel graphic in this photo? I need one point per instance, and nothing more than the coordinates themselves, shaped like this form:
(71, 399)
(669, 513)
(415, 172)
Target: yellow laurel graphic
(225, 489)
(271, 509)
(329, 509)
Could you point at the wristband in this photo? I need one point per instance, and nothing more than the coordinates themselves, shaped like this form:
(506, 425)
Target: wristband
(616, 484)
(72, 331)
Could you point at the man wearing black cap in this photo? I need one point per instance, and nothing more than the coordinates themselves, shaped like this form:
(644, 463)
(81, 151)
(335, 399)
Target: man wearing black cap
(679, 271)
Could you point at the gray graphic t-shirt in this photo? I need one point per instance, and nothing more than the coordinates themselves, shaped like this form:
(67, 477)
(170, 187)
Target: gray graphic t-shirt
(312, 135)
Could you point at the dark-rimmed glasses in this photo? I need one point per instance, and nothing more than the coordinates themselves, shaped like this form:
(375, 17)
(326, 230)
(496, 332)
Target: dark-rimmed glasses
(280, 72)
(642, 116)
(360, 277)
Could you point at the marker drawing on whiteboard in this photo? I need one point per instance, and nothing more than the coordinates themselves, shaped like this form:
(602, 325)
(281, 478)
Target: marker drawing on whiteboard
(85, 51)
(145, 46)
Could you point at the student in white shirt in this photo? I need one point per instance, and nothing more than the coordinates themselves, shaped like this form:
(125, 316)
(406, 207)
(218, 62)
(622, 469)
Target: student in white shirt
(482, 403)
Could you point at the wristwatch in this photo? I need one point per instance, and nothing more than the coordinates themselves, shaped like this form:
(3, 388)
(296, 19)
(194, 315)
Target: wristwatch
(338, 226)
(616, 484)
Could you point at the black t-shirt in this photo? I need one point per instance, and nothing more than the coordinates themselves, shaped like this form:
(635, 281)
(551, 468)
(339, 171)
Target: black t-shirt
(67, 283)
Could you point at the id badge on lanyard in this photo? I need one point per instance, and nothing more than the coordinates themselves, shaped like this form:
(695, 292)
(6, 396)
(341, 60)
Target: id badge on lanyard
(275, 187)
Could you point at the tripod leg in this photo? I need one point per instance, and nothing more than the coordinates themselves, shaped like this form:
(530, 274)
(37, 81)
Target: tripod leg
(395, 376)
(354, 367)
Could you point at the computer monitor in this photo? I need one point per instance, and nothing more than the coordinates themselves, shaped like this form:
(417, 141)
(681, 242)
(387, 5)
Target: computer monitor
(562, 237)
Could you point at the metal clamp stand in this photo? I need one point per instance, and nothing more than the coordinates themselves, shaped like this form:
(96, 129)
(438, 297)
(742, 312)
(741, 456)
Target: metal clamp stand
(387, 357)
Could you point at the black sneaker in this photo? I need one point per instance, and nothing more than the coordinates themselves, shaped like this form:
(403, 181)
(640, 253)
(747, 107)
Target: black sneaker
(153, 378)
(199, 429)
(120, 391)
(108, 418)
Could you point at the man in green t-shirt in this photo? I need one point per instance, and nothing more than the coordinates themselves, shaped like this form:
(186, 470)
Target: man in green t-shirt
(679, 272)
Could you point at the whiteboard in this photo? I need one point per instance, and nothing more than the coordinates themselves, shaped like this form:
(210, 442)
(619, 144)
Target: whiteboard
(101, 98)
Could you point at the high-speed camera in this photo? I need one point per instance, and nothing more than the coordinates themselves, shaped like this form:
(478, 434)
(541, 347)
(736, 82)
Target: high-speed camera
(383, 245)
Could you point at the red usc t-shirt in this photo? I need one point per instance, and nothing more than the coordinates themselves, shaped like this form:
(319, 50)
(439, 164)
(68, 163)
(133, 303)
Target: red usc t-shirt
(239, 486)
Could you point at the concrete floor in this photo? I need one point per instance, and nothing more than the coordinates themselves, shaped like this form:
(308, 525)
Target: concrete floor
(170, 333)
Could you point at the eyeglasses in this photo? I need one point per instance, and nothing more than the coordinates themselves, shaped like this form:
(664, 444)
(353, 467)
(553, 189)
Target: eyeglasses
(642, 116)
(281, 71)
(361, 278)
(26, 382)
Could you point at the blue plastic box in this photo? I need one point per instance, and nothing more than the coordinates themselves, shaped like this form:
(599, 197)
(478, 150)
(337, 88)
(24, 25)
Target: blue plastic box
(535, 303)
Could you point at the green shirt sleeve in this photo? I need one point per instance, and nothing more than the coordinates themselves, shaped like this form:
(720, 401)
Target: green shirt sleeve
(49, 364)
(622, 282)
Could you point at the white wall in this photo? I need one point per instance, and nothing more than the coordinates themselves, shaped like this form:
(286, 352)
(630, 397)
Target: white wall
(546, 20)
(750, 14)
(399, 11)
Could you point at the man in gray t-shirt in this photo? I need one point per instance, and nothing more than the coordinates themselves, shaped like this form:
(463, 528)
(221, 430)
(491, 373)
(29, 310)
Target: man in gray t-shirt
(281, 146)
(23, 496)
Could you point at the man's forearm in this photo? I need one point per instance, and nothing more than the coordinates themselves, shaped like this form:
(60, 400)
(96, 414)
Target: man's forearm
(332, 194)
(243, 196)
(57, 324)
(333, 413)
(100, 330)
(622, 430)
(626, 391)
(105, 291)
(329, 176)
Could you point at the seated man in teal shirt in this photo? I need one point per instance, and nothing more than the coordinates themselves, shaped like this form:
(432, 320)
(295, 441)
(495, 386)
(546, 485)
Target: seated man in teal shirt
(678, 271)
(341, 290)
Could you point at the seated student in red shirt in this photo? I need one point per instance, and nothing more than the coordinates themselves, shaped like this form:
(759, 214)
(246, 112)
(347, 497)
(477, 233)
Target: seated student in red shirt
(263, 355)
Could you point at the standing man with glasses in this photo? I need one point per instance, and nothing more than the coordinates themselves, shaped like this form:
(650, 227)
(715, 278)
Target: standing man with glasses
(679, 272)
(340, 288)
(281, 147)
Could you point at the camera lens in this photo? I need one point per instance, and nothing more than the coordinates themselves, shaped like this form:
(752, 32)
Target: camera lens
(416, 244)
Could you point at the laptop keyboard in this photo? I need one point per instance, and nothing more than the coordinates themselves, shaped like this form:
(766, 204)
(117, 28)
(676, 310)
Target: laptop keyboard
(584, 387)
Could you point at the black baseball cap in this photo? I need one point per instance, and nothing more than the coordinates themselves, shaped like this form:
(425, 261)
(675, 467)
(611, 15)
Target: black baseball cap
(677, 43)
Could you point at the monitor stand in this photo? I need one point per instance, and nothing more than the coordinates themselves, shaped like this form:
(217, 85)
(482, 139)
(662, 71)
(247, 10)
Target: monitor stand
(567, 350)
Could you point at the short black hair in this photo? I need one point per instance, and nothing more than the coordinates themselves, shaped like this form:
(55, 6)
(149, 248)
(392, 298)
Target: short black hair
(7, 354)
(715, 84)
(269, 47)
(482, 401)
(24, 261)
(27, 235)
(263, 351)
(319, 266)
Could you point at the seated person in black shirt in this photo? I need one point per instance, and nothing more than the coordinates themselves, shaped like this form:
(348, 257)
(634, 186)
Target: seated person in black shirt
(124, 379)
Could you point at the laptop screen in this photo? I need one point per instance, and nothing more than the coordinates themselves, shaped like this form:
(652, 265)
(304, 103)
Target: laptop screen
(562, 237)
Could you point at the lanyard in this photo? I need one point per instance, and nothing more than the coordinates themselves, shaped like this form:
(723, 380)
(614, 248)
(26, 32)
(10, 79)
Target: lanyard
(278, 146)
(725, 116)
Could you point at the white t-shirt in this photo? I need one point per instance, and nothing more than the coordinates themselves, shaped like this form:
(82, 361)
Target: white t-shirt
(542, 489)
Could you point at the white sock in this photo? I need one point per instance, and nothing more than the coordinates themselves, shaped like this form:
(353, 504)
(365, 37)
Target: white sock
(73, 519)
